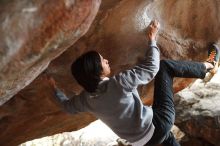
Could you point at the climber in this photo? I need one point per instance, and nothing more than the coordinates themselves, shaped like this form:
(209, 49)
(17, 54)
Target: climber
(115, 99)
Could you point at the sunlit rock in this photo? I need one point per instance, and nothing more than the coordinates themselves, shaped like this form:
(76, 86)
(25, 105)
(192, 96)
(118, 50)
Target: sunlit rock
(95, 134)
(198, 111)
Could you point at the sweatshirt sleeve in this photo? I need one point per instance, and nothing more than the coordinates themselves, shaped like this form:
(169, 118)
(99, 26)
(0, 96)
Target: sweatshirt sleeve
(71, 105)
(143, 72)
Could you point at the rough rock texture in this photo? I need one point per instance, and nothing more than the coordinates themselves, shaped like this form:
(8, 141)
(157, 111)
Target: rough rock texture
(103, 136)
(32, 34)
(198, 112)
(35, 32)
(117, 33)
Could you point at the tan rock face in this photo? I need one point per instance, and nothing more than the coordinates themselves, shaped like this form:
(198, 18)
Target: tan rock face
(117, 33)
(33, 33)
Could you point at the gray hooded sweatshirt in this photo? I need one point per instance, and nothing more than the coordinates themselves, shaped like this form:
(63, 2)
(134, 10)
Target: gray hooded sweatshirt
(117, 102)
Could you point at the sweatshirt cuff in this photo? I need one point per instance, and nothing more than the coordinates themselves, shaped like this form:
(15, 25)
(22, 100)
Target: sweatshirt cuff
(60, 95)
(153, 43)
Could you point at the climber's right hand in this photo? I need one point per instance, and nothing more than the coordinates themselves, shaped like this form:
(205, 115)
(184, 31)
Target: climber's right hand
(152, 30)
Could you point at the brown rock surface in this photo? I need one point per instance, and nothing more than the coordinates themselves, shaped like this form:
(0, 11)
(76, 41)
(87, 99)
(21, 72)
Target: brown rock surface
(32, 33)
(118, 34)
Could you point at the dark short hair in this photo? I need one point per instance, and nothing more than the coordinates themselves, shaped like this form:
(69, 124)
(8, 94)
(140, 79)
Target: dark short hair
(87, 70)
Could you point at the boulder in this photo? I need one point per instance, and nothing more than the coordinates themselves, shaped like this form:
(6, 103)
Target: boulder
(32, 34)
(35, 32)
(198, 112)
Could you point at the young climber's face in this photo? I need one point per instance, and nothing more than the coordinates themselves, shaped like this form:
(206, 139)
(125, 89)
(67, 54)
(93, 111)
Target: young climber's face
(105, 66)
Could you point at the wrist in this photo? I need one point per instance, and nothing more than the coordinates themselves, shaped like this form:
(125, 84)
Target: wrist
(153, 42)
